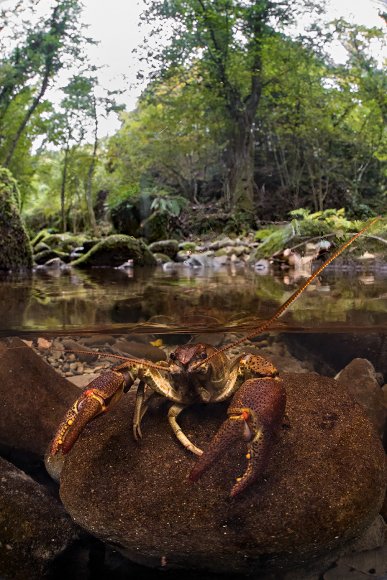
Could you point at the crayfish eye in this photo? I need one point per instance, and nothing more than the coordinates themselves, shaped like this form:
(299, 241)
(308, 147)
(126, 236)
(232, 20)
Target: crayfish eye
(172, 356)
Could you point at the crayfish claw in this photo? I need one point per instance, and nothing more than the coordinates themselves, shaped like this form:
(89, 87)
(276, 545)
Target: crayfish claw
(255, 415)
(98, 396)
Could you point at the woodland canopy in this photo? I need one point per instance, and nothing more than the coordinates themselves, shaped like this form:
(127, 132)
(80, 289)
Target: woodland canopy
(239, 111)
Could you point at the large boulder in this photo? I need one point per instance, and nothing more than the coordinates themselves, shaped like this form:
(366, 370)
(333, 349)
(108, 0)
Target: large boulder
(15, 248)
(34, 399)
(34, 528)
(114, 251)
(323, 487)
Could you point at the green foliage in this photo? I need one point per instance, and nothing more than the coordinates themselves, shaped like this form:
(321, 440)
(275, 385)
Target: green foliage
(230, 80)
(171, 205)
(318, 223)
(121, 192)
(222, 43)
(304, 225)
(262, 234)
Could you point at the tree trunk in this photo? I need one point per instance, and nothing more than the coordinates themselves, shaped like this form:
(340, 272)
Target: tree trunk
(27, 117)
(241, 185)
(90, 173)
(63, 190)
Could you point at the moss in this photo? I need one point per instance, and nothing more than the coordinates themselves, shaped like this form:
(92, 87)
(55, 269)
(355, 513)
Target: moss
(40, 236)
(65, 242)
(161, 258)
(114, 251)
(168, 247)
(264, 233)
(188, 246)
(15, 248)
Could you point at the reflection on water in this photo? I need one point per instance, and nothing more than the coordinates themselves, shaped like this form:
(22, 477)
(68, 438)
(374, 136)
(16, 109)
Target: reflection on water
(186, 300)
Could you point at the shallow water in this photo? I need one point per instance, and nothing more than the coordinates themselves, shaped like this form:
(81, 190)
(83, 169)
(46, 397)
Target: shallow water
(186, 301)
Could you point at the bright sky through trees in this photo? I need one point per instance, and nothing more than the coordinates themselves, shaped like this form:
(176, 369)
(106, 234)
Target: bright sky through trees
(116, 27)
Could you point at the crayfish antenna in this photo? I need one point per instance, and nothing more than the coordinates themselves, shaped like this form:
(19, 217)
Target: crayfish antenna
(265, 325)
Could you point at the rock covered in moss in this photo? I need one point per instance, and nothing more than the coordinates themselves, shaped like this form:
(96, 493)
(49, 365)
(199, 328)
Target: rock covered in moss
(167, 247)
(44, 256)
(114, 251)
(64, 242)
(15, 248)
(323, 487)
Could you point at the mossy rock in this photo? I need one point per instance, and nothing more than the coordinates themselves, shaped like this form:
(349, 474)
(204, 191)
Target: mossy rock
(114, 251)
(168, 247)
(155, 227)
(188, 246)
(46, 255)
(39, 237)
(15, 248)
(40, 246)
(161, 258)
(66, 242)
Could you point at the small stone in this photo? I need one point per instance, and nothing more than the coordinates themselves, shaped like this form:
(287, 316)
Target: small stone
(81, 381)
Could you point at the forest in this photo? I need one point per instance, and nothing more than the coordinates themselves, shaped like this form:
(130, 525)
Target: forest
(243, 119)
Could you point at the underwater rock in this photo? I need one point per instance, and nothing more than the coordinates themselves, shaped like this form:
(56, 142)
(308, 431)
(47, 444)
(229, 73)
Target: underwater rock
(34, 398)
(323, 487)
(114, 250)
(361, 380)
(34, 528)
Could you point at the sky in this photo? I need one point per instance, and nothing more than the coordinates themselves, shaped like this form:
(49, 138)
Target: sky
(119, 33)
(115, 25)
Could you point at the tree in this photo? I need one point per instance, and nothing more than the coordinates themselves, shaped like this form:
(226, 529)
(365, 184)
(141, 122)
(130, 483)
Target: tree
(224, 39)
(173, 139)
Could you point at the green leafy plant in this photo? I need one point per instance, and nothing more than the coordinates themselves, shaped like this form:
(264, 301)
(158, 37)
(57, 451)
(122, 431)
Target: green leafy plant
(171, 205)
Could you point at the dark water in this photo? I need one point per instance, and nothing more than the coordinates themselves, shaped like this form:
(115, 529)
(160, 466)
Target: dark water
(186, 301)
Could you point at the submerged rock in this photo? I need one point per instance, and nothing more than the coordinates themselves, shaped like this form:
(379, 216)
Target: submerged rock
(34, 398)
(361, 380)
(34, 528)
(323, 487)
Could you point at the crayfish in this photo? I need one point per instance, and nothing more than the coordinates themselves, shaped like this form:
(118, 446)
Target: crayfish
(199, 373)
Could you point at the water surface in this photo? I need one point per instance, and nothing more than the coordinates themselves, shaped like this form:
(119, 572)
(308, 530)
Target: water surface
(185, 300)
